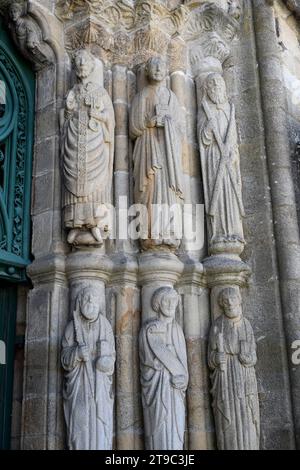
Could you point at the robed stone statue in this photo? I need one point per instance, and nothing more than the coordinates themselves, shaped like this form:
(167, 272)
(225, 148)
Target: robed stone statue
(164, 374)
(87, 153)
(88, 358)
(232, 357)
(220, 164)
(155, 126)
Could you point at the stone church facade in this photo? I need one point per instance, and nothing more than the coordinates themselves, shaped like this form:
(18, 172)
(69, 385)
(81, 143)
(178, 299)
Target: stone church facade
(111, 340)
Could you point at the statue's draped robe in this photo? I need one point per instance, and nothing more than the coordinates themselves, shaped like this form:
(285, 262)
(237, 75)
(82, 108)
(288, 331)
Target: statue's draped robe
(225, 219)
(88, 402)
(234, 390)
(87, 156)
(163, 405)
(157, 155)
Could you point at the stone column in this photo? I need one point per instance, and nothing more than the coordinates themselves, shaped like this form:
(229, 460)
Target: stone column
(281, 183)
(196, 323)
(156, 269)
(125, 305)
(42, 416)
(121, 159)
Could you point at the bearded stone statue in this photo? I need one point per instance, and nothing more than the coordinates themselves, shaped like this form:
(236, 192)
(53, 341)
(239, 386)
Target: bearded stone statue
(155, 126)
(231, 358)
(220, 164)
(88, 358)
(87, 153)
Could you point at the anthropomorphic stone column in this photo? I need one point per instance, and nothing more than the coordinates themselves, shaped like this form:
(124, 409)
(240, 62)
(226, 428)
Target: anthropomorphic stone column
(164, 374)
(155, 127)
(232, 357)
(88, 357)
(87, 154)
(27, 36)
(220, 167)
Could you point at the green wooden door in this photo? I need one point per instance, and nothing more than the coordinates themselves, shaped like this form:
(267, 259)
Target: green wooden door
(8, 305)
(16, 136)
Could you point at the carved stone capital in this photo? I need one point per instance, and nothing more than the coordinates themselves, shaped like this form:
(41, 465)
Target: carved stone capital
(224, 270)
(159, 267)
(48, 269)
(209, 33)
(131, 32)
(88, 265)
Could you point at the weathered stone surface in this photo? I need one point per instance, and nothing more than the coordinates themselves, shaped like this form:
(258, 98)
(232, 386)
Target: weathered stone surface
(255, 45)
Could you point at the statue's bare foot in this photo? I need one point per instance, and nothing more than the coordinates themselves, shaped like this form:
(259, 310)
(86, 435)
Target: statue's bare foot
(96, 234)
(72, 236)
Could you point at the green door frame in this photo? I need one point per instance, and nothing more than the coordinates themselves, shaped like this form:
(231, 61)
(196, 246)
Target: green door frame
(16, 149)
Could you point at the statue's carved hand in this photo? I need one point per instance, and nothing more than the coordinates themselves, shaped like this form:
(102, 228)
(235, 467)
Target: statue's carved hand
(209, 128)
(151, 121)
(99, 116)
(246, 359)
(83, 353)
(105, 364)
(178, 381)
(220, 358)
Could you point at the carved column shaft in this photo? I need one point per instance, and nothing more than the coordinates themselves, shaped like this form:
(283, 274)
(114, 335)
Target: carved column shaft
(125, 297)
(196, 318)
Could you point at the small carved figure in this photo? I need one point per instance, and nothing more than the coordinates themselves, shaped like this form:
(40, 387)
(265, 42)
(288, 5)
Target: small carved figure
(27, 36)
(87, 153)
(232, 357)
(164, 374)
(88, 357)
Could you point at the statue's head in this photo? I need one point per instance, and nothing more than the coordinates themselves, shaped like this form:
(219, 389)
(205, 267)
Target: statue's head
(89, 303)
(15, 11)
(230, 302)
(165, 301)
(215, 88)
(156, 69)
(84, 63)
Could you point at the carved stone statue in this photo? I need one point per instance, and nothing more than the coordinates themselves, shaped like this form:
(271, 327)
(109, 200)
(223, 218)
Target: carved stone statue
(27, 36)
(220, 167)
(87, 153)
(155, 127)
(164, 374)
(88, 357)
(232, 357)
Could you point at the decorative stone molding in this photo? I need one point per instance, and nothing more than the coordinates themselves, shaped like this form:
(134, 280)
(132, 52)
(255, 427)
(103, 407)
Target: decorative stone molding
(145, 28)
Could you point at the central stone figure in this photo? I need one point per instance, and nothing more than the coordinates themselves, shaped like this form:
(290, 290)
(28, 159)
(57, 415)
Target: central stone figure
(155, 127)
(164, 374)
(87, 153)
